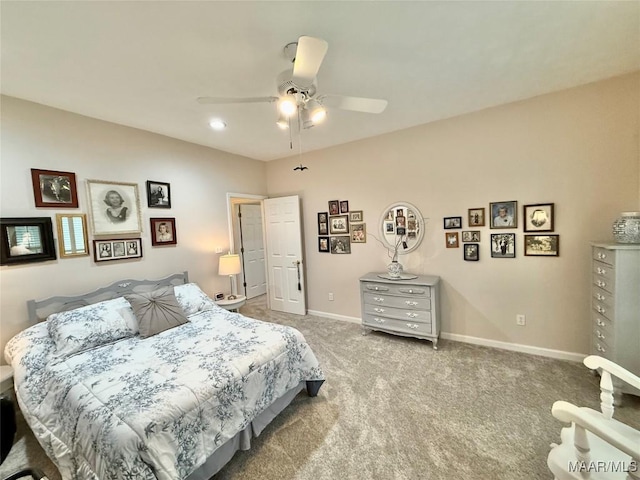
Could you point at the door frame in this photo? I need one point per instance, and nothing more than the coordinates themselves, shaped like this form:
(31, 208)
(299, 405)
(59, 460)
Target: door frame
(239, 198)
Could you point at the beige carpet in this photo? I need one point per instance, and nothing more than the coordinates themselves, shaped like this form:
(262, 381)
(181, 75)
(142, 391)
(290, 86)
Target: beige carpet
(393, 408)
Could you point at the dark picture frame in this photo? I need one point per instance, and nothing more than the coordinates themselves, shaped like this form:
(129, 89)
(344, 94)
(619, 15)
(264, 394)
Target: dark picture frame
(471, 252)
(163, 231)
(323, 223)
(451, 239)
(117, 249)
(344, 206)
(538, 217)
(476, 217)
(54, 189)
(323, 245)
(338, 224)
(158, 194)
(503, 214)
(542, 245)
(26, 240)
(503, 245)
(341, 245)
(105, 219)
(334, 207)
(471, 235)
(452, 222)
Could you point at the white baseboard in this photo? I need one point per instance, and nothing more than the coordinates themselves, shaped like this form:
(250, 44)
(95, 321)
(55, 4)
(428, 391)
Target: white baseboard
(485, 342)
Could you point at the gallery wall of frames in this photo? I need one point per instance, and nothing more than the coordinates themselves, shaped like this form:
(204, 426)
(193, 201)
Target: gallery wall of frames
(537, 220)
(340, 227)
(114, 221)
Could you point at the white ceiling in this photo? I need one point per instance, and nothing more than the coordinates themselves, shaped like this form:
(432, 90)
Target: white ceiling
(143, 64)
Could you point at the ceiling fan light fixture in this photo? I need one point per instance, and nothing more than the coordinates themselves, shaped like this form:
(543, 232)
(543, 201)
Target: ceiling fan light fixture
(317, 112)
(305, 119)
(217, 124)
(283, 122)
(288, 105)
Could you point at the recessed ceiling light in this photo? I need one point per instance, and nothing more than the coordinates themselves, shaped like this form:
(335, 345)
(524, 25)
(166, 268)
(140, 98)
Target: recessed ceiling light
(217, 124)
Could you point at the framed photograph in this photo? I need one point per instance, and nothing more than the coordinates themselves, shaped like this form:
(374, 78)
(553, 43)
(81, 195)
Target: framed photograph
(117, 249)
(344, 206)
(72, 235)
(476, 217)
(355, 216)
(358, 232)
(334, 207)
(472, 252)
(323, 244)
(389, 227)
(542, 245)
(26, 240)
(452, 239)
(54, 189)
(323, 223)
(503, 245)
(538, 217)
(503, 214)
(340, 244)
(339, 224)
(115, 207)
(158, 194)
(163, 231)
(452, 222)
(471, 236)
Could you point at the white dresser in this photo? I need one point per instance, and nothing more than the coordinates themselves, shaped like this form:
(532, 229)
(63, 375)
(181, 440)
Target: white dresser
(403, 307)
(615, 302)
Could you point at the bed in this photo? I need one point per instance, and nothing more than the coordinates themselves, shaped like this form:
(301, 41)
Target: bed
(113, 390)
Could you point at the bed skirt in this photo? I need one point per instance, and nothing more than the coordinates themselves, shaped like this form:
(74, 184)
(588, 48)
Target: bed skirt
(242, 440)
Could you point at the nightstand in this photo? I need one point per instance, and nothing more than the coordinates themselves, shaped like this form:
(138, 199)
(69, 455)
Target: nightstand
(234, 304)
(6, 376)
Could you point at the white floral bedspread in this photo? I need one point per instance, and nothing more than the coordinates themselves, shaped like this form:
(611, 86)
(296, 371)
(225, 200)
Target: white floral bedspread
(155, 407)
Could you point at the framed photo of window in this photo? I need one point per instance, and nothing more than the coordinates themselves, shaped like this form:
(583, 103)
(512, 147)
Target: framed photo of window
(542, 245)
(115, 207)
(323, 244)
(538, 217)
(503, 214)
(163, 231)
(72, 235)
(26, 240)
(158, 194)
(452, 222)
(323, 223)
(472, 252)
(503, 245)
(476, 217)
(117, 249)
(339, 224)
(54, 189)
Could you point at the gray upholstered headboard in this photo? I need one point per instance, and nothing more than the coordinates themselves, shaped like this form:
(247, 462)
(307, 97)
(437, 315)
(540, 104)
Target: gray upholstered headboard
(40, 309)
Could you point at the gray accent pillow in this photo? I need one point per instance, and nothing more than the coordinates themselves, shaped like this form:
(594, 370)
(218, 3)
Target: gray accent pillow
(156, 311)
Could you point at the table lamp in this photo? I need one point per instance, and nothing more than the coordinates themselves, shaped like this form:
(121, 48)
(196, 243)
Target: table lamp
(230, 265)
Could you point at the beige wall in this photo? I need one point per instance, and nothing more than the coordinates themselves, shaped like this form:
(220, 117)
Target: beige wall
(576, 148)
(34, 136)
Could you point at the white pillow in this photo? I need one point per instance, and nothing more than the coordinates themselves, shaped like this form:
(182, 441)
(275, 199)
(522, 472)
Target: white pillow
(88, 327)
(192, 299)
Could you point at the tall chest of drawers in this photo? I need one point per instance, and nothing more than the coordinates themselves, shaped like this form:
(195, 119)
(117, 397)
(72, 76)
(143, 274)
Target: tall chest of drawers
(402, 307)
(615, 306)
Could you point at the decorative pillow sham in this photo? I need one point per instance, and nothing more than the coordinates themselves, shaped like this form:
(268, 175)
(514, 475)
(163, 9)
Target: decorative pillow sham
(156, 311)
(192, 299)
(88, 327)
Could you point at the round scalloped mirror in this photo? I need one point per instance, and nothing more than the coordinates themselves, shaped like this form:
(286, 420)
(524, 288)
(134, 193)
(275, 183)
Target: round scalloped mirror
(402, 227)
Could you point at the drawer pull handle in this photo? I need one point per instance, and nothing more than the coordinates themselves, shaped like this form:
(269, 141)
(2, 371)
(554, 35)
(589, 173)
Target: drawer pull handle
(379, 299)
(600, 322)
(600, 309)
(379, 320)
(602, 271)
(599, 297)
(600, 283)
(410, 303)
(412, 325)
(600, 349)
(379, 310)
(599, 335)
(602, 255)
(412, 315)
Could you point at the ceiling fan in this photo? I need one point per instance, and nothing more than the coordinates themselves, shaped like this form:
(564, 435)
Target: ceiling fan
(297, 89)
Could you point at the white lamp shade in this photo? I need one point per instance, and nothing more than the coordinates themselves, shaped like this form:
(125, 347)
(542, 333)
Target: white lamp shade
(229, 264)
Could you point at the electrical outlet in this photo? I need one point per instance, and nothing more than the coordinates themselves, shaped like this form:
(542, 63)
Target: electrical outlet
(521, 320)
(218, 249)
(331, 296)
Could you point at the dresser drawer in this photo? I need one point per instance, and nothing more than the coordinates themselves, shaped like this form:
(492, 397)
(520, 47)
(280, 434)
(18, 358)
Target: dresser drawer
(420, 316)
(405, 326)
(604, 276)
(602, 349)
(603, 309)
(411, 303)
(603, 336)
(405, 290)
(602, 296)
(602, 323)
(603, 255)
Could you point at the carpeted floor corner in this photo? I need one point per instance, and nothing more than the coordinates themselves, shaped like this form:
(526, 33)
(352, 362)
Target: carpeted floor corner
(393, 408)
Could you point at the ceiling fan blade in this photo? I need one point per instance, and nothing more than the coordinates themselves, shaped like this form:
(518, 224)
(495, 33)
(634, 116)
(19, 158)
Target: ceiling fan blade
(222, 100)
(309, 56)
(356, 104)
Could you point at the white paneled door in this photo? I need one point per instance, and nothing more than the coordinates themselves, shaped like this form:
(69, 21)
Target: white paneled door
(252, 248)
(284, 254)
